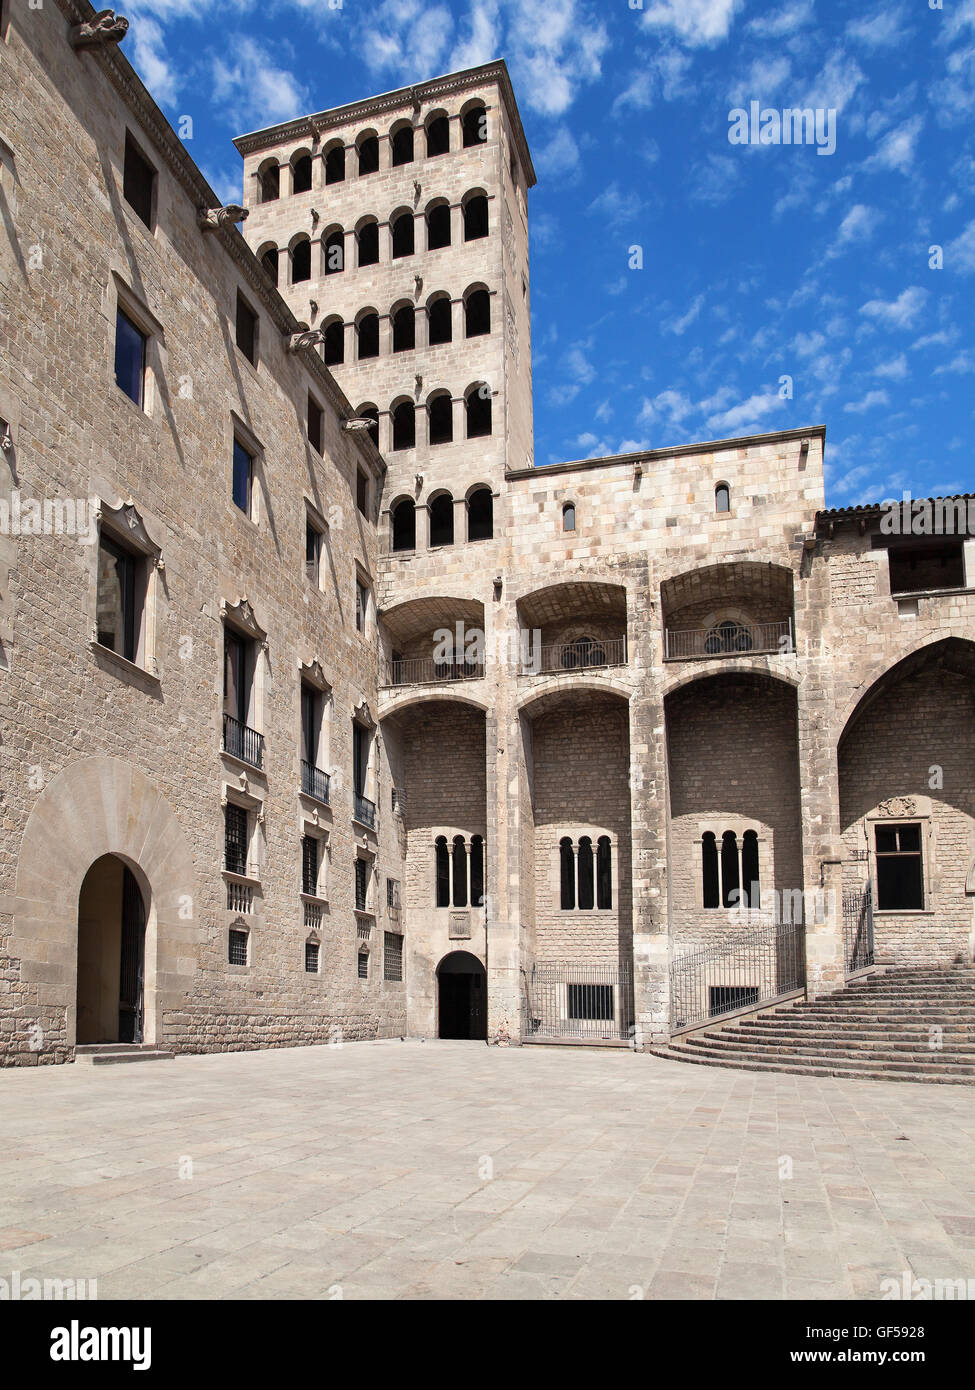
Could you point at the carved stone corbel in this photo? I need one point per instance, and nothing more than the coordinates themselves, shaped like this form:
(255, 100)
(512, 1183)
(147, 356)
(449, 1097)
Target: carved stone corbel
(310, 337)
(103, 27)
(209, 219)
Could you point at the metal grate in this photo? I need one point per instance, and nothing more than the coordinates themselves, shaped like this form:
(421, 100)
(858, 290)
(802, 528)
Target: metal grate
(237, 947)
(235, 839)
(361, 884)
(243, 742)
(363, 965)
(364, 810)
(579, 1001)
(748, 968)
(309, 865)
(578, 655)
(314, 782)
(311, 957)
(392, 956)
(423, 670)
(858, 929)
(729, 639)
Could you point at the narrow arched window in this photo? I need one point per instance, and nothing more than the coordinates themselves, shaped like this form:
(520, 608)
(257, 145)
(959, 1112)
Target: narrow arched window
(476, 217)
(438, 136)
(367, 330)
(335, 164)
(439, 327)
(402, 145)
(440, 415)
(368, 240)
(477, 871)
(477, 313)
(269, 181)
(301, 174)
(334, 252)
(709, 869)
(438, 227)
(730, 878)
(750, 869)
(334, 344)
(478, 411)
(569, 517)
(442, 520)
(567, 874)
(370, 412)
(604, 872)
(460, 872)
(404, 425)
(368, 155)
(475, 127)
(301, 261)
(586, 878)
(722, 498)
(442, 871)
(404, 328)
(480, 515)
(404, 525)
(403, 235)
(269, 260)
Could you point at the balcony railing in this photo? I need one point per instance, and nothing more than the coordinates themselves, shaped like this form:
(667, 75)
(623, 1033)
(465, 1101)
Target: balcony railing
(729, 639)
(314, 782)
(313, 915)
(364, 810)
(581, 654)
(423, 670)
(242, 742)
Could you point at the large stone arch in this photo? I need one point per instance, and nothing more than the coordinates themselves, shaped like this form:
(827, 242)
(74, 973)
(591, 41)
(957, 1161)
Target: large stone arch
(98, 806)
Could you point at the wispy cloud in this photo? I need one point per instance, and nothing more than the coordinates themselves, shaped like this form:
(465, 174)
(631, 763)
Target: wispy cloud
(901, 312)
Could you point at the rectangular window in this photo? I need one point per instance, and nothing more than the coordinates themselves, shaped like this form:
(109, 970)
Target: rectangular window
(914, 569)
(590, 1001)
(360, 758)
(243, 477)
(900, 876)
(311, 957)
(237, 947)
(117, 619)
(316, 425)
(313, 553)
(392, 894)
(363, 965)
(361, 884)
(723, 998)
(130, 358)
(362, 492)
(246, 329)
(138, 180)
(361, 606)
(392, 956)
(309, 865)
(235, 839)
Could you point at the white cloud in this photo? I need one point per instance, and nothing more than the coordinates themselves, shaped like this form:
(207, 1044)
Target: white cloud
(961, 364)
(694, 22)
(780, 22)
(577, 366)
(896, 313)
(682, 324)
(836, 85)
(896, 149)
(250, 80)
(482, 41)
(750, 412)
(808, 344)
(559, 159)
(881, 29)
(764, 77)
(149, 62)
(960, 253)
(615, 206)
(713, 179)
(869, 401)
(894, 370)
(858, 225)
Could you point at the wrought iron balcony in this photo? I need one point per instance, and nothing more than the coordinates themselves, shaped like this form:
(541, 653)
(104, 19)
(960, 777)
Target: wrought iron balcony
(582, 653)
(729, 639)
(314, 782)
(242, 742)
(364, 810)
(423, 670)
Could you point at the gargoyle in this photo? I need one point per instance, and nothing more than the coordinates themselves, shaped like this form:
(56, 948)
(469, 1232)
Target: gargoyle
(212, 218)
(311, 337)
(104, 27)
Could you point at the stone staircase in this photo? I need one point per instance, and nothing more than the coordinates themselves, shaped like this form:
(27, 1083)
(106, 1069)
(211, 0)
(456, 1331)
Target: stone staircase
(895, 1025)
(106, 1054)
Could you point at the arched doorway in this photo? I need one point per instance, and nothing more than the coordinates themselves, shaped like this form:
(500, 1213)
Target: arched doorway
(111, 954)
(462, 991)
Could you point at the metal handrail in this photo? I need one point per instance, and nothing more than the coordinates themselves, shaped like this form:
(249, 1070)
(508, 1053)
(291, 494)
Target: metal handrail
(749, 968)
(243, 742)
(364, 810)
(314, 782)
(729, 639)
(424, 670)
(580, 654)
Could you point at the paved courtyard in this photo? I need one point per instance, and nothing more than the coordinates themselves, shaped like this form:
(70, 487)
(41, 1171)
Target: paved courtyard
(451, 1170)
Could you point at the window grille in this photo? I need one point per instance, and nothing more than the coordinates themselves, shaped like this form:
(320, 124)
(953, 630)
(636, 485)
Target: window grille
(311, 957)
(235, 839)
(237, 947)
(392, 956)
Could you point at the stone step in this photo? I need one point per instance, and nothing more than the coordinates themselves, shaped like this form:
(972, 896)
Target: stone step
(854, 1027)
(807, 1069)
(769, 1054)
(896, 1055)
(108, 1054)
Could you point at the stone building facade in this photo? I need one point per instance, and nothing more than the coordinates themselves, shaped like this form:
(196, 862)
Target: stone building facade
(327, 714)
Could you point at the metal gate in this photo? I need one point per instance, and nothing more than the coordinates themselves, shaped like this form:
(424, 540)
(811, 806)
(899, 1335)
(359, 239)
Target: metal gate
(578, 1001)
(756, 967)
(858, 929)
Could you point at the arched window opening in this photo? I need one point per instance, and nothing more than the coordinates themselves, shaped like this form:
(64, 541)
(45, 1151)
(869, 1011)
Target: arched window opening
(301, 174)
(404, 328)
(438, 136)
(722, 498)
(567, 874)
(728, 636)
(335, 252)
(587, 899)
(269, 260)
(478, 411)
(477, 871)
(369, 412)
(402, 145)
(477, 313)
(368, 242)
(709, 866)
(475, 126)
(442, 520)
(476, 217)
(301, 261)
(730, 878)
(404, 425)
(367, 331)
(334, 344)
(480, 515)
(404, 525)
(569, 517)
(750, 869)
(440, 414)
(604, 873)
(269, 182)
(403, 235)
(335, 164)
(438, 227)
(460, 872)
(443, 871)
(368, 155)
(439, 327)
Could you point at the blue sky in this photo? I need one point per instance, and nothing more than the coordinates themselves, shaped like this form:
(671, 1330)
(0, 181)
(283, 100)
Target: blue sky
(759, 262)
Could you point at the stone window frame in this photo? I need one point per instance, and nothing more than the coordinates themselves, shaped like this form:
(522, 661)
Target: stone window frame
(311, 673)
(311, 827)
(238, 793)
(893, 813)
(121, 297)
(242, 434)
(125, 526)
(242, 927)
(575, 831)
(363, 581)
(242, 300)
(569, 504)
(766, 848)
(452, 835)
(315, 520)
(240, 619)
(367, 855)
(729, 510)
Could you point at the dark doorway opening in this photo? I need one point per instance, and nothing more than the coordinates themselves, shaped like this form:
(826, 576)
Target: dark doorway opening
(111, 955)
(462, 990)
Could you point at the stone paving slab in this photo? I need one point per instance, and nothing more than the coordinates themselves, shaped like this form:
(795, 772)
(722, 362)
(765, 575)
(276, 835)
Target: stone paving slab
(394, 1170)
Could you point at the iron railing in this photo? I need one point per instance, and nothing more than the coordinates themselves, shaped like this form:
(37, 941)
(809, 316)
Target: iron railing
(314, 782)
(755, 967)
(729, 639)
(581, 654)
(243, 742)
(578, 1001)
(364, 810)
(424, 670)
(858, 929)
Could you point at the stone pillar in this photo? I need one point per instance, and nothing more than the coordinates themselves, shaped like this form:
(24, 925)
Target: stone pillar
(505, 929)
(385, 335)
(457, 320)
(825, 952)
(456, 225)
(422, 526)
